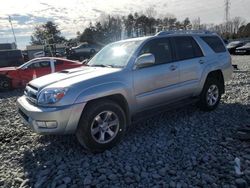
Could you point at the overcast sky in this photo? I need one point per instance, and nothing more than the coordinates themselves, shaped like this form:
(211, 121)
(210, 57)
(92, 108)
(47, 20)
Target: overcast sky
(73, 15)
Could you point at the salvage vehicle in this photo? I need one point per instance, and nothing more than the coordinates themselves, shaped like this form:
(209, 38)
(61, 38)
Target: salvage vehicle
(18, 77)
(231, 47)
(127, 79)
(243, 50)
(86, 48)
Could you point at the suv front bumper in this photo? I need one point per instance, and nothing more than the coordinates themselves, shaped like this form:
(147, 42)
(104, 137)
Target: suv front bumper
(50, 120)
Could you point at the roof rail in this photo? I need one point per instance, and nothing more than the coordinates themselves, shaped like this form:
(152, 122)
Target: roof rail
(161, 33)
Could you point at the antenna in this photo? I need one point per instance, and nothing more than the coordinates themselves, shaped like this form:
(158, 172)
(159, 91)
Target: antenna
(227, 16)
(12, 29)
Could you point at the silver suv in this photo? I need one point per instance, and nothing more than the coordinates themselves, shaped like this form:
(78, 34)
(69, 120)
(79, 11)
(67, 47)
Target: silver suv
(98, 101)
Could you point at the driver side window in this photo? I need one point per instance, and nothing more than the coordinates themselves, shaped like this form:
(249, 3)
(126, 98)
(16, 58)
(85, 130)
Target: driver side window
(160, 48)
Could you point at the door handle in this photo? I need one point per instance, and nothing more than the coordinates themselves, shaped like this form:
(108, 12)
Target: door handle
(201, 61)
(172, 67)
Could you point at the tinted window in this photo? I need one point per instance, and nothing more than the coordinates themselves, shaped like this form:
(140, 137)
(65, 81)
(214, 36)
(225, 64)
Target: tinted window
(215, 43)
(160, 48)
(186, 48)
(197, 49)
(44, 63)
(58, 62)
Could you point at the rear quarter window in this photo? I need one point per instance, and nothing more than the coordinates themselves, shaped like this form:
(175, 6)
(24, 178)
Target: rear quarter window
(215, 43)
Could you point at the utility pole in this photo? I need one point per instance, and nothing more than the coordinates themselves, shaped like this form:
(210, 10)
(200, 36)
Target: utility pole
(12, 30)
(227, 16)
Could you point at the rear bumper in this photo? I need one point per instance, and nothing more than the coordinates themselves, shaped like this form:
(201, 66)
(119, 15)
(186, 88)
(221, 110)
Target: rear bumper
(55, 120)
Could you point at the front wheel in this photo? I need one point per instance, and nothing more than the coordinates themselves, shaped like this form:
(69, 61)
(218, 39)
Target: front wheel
(101, 126)
(5, 83)
(210, 95)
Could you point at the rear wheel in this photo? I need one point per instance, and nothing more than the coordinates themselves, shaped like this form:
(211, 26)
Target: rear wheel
(92, 51)
(101, 126)
(5, 83)
(211, 94)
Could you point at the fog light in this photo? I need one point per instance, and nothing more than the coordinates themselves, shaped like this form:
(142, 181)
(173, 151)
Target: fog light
(41, 124)
(51, 124)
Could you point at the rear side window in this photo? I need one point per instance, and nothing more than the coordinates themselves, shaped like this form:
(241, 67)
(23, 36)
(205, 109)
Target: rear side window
(186, 48)
(44, 64)
(215, 43)
(58, 62)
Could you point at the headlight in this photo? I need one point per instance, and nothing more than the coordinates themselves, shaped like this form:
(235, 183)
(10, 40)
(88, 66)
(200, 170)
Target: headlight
(51, 96)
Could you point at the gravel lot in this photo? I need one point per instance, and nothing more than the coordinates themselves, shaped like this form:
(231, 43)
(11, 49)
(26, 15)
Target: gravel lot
(180, 148)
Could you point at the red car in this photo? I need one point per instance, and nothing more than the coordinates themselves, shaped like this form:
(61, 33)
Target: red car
(18, 77)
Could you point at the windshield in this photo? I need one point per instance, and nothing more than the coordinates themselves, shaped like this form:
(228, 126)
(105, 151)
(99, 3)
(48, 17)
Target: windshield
(247, 44)
(115, 55)
(23, 65)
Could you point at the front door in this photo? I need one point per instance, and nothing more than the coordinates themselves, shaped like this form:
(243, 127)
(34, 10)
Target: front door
(156, 84)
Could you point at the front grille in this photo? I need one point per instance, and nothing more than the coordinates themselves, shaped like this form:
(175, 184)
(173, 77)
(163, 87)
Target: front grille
(31, 93)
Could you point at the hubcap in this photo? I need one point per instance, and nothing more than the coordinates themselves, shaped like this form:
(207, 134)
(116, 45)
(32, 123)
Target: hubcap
(4, 84)
(212, 95)
(104, 127)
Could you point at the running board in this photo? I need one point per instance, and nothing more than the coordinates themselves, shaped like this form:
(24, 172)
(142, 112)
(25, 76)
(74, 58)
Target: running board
(162, 108)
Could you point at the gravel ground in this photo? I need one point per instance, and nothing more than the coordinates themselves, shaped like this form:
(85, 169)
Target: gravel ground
(180, 148)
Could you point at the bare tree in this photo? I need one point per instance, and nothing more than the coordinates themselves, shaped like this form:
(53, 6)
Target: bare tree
(237, 22)
(196, 23)
(150, 12)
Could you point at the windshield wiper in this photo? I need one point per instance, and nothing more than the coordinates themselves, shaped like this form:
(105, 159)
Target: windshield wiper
(101, 65)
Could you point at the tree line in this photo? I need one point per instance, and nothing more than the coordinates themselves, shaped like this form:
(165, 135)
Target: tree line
(112, 28)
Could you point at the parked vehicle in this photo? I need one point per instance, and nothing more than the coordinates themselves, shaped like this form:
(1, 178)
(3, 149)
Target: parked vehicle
(86, 48)
(10, 58)
(18, 77)
(233, 45)
(123, 81)
(243, 50)
(82, 51)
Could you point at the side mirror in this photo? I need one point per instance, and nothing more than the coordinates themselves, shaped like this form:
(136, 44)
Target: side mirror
(145, 60)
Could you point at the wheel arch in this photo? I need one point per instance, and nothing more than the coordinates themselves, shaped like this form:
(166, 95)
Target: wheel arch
(117, 98)
(217, 74)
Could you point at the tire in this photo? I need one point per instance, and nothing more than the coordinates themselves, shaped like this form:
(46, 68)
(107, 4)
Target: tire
(92, 51)
(5, 84)
(209, 98)
(92, 126)
(81, 58)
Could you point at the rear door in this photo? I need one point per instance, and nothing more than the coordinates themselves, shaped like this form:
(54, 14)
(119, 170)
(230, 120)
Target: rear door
(191, 62)
(59, 65)
(156, 84)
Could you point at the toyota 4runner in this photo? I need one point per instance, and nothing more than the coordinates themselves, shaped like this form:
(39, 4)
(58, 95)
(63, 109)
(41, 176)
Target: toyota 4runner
(97, 102)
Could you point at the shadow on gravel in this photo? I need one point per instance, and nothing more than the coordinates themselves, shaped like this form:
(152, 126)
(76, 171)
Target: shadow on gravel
(184, 145)
(11, 93)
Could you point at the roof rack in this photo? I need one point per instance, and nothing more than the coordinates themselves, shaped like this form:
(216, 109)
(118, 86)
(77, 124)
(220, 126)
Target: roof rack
(161, 33)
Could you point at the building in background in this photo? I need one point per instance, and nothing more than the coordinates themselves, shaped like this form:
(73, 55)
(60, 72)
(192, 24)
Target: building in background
(8, 46)
(33, 49)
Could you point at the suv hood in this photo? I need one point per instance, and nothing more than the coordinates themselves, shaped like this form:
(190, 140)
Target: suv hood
(5, 69)
(69, 77)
